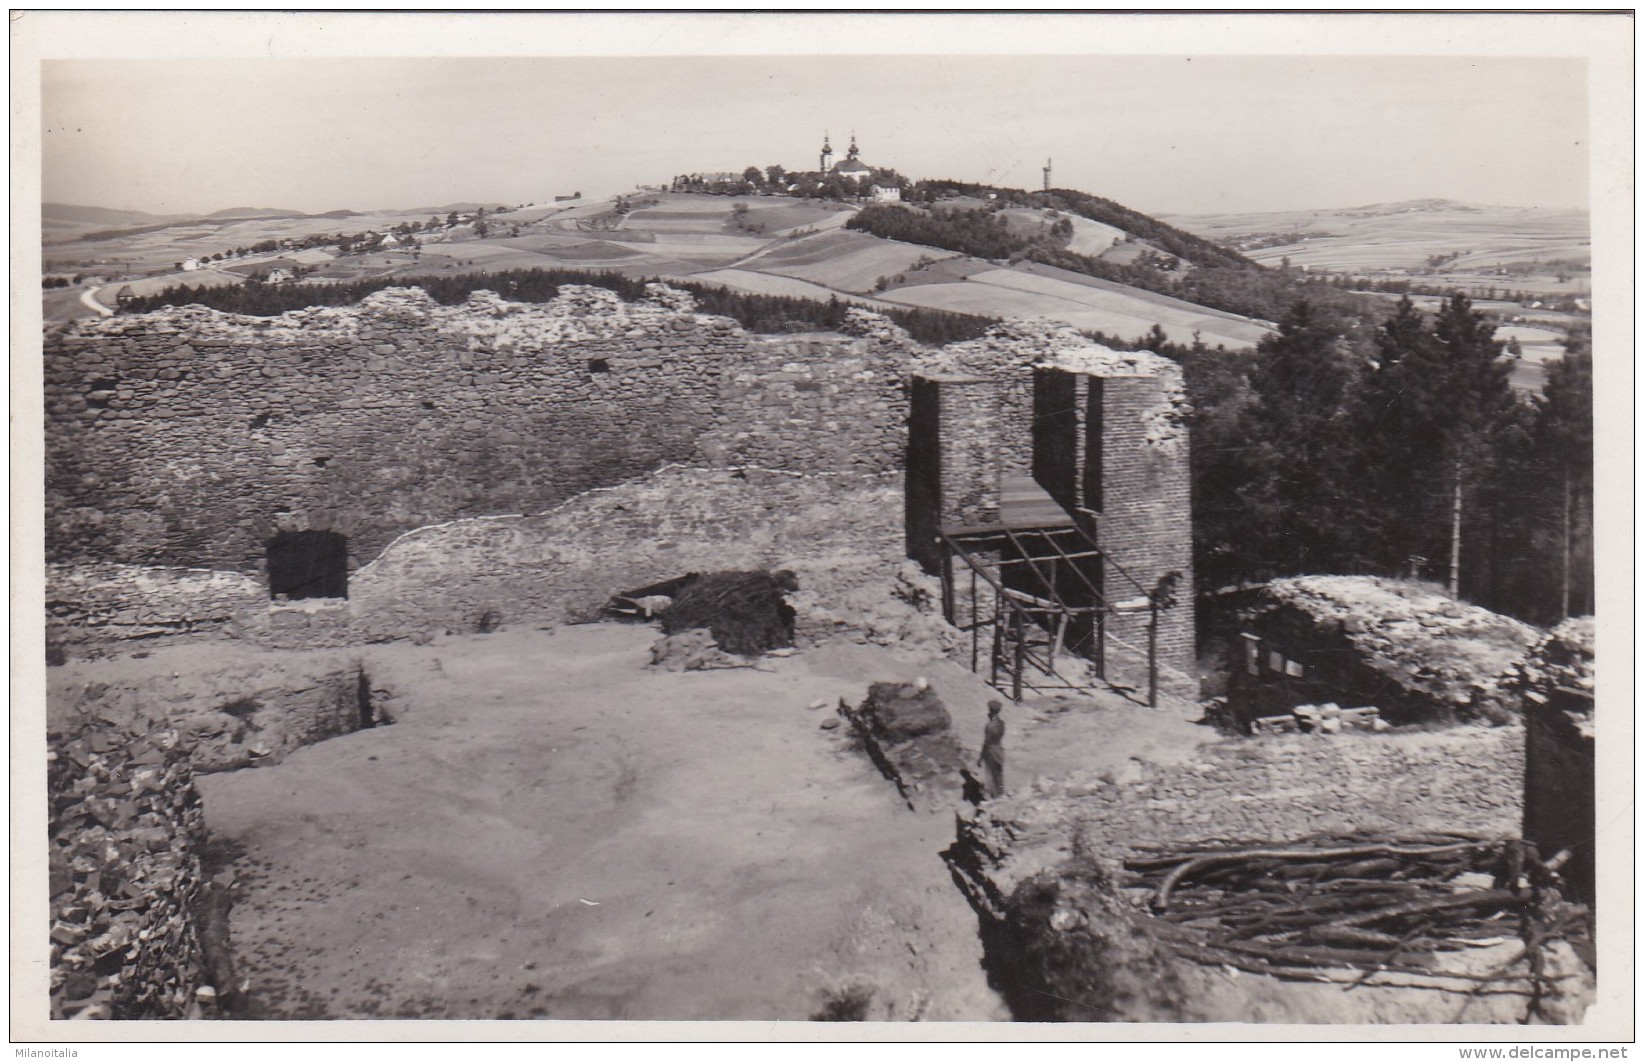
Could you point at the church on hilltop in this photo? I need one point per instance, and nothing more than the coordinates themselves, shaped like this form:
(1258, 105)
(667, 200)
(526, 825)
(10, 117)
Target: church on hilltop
(852, 168)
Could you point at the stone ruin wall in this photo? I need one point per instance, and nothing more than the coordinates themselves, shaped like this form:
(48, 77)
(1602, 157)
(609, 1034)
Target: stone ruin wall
(179, 442)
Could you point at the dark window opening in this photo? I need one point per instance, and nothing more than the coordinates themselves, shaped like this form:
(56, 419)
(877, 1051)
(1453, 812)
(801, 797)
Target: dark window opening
(427, 405)
(304, 564)
(260, 420)
(598, 365)
(321, 462)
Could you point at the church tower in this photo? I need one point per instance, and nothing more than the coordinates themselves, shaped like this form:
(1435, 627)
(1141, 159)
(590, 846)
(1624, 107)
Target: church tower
(854, 151)
(827, 155)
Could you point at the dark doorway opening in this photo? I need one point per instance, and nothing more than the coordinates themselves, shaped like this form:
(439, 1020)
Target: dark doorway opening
(303, 564)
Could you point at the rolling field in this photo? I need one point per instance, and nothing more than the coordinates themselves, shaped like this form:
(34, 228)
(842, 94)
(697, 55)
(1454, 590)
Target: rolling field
(846, 261)
(770, 284)
(704, 239)
(199, 278)
(1089, 304)
(1089, 237)
(1402, 236)
(1092, 237)
(679, 213)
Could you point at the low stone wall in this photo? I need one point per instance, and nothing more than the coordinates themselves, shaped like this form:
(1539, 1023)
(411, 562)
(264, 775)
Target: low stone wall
(1276, 789)
(841, 533)
(564, 565)
(94, 605)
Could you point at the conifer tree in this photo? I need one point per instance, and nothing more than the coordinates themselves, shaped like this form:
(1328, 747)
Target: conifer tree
(1564, 430)
(1300, 495)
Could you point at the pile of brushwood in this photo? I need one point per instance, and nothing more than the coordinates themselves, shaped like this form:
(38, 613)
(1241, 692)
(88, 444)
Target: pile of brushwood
(746, 612)
(1322, 908)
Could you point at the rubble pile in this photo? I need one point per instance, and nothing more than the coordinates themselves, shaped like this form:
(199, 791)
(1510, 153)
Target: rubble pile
(126, 831)
(871, 599)
(1321, 719)
(1072, 950)
(1426, 650)
(693, 650)
(908, 733)
(866, 324)
(1561, 660)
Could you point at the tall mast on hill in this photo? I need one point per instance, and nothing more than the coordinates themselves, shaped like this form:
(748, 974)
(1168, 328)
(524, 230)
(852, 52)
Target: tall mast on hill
(1047, 175)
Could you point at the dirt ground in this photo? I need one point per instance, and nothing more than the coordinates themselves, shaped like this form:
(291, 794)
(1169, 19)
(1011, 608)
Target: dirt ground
(554, 829)
(551, 828)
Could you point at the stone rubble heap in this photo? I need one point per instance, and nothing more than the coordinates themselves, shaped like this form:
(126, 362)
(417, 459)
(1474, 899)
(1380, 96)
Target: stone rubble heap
(126, 831)
(908, 734)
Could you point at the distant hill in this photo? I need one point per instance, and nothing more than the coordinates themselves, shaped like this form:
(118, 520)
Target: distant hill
(69, 214)
(1442, 239)
(237, 213)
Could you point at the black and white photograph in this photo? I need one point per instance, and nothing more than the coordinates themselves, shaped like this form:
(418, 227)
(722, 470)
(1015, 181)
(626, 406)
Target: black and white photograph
(1087, 526)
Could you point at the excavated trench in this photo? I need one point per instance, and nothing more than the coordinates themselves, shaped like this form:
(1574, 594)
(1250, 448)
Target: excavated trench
(140, 893)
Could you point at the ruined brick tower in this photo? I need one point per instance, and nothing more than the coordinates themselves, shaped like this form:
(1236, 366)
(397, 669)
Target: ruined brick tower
(1025, 446)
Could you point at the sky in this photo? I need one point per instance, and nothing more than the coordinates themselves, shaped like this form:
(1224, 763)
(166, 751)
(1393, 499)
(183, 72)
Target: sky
(1175, 133)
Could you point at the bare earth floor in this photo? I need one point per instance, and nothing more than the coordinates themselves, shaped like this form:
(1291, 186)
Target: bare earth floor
(554, 829)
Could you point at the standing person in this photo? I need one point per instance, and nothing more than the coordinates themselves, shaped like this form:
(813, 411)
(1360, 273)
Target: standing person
(993, 750)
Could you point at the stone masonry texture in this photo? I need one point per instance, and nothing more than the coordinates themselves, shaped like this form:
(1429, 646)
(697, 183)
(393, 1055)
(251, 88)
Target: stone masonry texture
(180, 442)
(189, 437)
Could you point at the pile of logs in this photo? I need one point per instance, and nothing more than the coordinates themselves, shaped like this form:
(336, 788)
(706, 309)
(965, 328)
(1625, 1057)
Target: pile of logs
(1347, 908)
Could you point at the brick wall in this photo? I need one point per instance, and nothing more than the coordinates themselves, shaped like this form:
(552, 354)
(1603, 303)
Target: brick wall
(1145, 526)
(952, 459)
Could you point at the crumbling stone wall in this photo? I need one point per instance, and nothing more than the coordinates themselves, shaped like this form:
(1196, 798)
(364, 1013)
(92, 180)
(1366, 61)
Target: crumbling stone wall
(103, 603)
(1404, 647)
(189, 437)
(1145, 529)
(1560, 793)
(816, 403)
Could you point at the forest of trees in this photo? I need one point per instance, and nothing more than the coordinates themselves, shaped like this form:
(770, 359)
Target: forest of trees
(1406, 455)
(756, 313)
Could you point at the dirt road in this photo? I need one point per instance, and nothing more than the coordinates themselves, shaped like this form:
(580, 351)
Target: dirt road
(553, 829)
